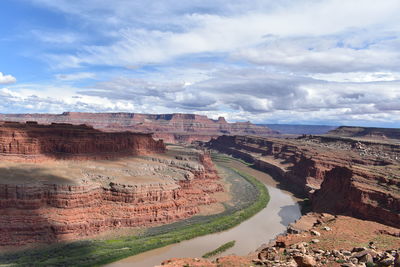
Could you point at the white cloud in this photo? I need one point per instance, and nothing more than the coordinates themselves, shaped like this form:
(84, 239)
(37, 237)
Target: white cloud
(75, 76)
(359, 77)
(58, 38)
(215, 32)
(291, 61)
(7, 79)
(326, 54)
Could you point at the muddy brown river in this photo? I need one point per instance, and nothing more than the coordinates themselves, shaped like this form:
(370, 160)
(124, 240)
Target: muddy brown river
(281, 210)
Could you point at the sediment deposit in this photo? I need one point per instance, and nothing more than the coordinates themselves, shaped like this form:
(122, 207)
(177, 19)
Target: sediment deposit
(351, 178)
(172, 128)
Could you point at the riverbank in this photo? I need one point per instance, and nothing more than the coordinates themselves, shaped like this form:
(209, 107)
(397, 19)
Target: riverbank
(271, 221)
(95, 253)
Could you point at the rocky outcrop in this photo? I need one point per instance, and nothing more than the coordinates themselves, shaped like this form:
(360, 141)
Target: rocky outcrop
(360, 194)
(337, 176)
(172, 128)
(318, 240)
(31, 141)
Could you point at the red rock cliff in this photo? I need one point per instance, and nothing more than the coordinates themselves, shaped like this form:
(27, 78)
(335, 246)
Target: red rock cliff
(49, 213)
(170, 127)
(45, 211)
(340, 176)
(66, 141)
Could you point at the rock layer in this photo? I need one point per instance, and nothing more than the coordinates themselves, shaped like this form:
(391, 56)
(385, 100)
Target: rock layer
(339, 177)
(45, 199)
(38, 212)
(32, 140)
(172, 128)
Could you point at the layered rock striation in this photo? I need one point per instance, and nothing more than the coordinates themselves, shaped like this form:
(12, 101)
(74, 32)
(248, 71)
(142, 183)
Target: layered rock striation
(339, 177)
(49, 211)
(32, 140)
(172, 128)
(63, 182)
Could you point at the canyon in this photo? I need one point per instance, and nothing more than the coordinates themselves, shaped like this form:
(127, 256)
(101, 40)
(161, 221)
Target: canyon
(61, 182)
(352, 199)
(338, 176)
(172, 128)
(68, 181)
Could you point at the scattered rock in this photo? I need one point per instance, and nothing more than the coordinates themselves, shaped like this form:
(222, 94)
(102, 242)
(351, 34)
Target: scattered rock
(316, 233)
(305, 261)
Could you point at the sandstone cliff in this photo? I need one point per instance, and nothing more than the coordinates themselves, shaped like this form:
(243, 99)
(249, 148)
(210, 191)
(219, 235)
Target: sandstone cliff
(105, 180)
(96, 196)
(341, 177)
(173, 128)
(32, 140)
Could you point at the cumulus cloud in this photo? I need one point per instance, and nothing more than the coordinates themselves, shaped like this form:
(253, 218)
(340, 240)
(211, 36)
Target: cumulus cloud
(257, 94)
(204, 27)
(283, 61)
(328, 54)
(7, 79)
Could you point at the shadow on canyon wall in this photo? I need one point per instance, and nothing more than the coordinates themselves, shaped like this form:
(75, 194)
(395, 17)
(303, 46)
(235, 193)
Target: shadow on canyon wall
(282, 183)
(29, 176)
(25, 194)
(28, 235)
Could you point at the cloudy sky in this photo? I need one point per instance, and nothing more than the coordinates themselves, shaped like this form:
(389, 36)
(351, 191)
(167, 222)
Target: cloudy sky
(269, 61)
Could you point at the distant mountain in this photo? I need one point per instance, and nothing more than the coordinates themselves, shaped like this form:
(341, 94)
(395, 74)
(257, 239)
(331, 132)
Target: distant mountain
(172, 128)
(299, 128)
(366, 132)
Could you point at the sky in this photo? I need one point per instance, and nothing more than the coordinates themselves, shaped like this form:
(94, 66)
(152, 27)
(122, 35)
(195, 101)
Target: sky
(334, 62)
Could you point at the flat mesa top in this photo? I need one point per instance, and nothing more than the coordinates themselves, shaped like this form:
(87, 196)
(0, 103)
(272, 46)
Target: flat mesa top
(128, 171)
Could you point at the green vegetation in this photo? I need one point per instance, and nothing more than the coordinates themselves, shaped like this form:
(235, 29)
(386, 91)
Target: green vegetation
(220, 249)
(225, 158)
(99, 252)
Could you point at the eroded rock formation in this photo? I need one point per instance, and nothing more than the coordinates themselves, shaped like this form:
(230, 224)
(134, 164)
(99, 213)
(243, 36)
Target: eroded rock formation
(172, 128)
(341, 177)
(49, 200)
(32, 140)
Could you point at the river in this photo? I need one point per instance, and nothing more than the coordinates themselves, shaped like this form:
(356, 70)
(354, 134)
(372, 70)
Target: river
(281, 210)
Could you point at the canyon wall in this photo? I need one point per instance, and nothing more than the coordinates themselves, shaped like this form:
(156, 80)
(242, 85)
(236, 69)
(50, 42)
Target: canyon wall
(172, 128)
(63, 182)
(32, 140)
(356, 179)
(45, 212)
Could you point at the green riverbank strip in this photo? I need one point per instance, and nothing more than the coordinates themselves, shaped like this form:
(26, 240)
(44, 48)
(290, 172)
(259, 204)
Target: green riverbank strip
(97, 253)
(219, 250)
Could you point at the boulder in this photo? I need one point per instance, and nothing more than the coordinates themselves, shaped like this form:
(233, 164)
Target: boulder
(305, 261)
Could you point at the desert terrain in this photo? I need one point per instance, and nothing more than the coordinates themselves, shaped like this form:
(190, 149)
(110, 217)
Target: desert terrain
(67, 184)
